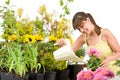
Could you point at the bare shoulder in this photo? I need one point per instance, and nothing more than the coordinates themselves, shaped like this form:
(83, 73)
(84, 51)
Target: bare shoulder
(107, 32)
(108, 35)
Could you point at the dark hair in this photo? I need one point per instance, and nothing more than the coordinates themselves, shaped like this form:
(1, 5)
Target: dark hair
(79, 17)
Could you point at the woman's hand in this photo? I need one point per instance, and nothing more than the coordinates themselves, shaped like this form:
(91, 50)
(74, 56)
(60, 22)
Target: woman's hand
(61, 42)
(104, 63)
(107, 61)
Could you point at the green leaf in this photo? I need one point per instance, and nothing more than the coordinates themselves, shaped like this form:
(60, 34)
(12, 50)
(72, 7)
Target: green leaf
(61, 3)
(70, 0)
(93, 63)
(67, 10)
(1, 11)
(7, 2)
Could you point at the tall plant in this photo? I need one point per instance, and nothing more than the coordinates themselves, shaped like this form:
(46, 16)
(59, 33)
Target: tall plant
(9, 19)
(16, 59)
(32, 53)
(45, 29)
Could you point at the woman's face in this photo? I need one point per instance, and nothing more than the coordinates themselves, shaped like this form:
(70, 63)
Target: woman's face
(85, 27)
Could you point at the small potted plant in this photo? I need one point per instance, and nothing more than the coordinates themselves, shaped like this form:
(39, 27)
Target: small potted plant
(18, 61)
(14, 62)
(75, 67)
(62, 71)
(33, 65)
(4, 69)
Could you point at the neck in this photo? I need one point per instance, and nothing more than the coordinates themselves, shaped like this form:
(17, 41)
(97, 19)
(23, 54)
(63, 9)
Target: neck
(92, 34)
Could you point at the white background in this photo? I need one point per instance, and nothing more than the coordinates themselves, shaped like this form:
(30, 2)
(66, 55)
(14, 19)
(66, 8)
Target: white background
(105, 12)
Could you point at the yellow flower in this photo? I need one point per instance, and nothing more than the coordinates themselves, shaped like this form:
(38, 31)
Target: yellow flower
(12, 37)
(38, 37)
(52, 38)
(29, 38)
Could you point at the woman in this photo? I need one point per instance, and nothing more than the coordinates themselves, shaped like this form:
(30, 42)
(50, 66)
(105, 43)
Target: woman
(95, 37)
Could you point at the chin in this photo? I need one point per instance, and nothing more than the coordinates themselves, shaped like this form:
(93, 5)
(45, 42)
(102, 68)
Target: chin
(87, 33)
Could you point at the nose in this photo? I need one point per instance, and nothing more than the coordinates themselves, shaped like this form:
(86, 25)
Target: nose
(82, 30)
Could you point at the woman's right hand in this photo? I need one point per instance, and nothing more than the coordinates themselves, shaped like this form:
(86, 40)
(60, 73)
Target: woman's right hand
(61, 42)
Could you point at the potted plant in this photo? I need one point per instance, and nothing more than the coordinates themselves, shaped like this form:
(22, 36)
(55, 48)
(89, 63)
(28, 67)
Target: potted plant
(33, 64)
(75, 67)
(61, 70)
(13, 61)
(4, 68)
(48, 62)
(18, 61)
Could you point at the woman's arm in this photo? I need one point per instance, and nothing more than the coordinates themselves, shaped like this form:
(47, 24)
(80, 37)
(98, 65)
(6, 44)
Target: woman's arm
(78, 43)
(113, 43)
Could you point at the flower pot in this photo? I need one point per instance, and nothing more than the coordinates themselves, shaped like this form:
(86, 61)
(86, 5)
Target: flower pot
(36, 76)
(74, 69)
(50, 75)
(62, 74)
(6, 76)
(21, 78)
(40, 76)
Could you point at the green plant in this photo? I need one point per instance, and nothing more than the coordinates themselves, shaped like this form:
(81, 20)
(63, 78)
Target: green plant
(61, 65)
(32, 57)
(23, 49)
(80, 52)
(64, 5)
(16, 59)
(6, 58)
(48, 62)
(118, 64)
(9, 19)
(94, 61)
(3, 50)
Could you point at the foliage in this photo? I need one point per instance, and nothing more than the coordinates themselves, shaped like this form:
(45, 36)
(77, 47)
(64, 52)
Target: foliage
(19, 58)
(14, 59)
(61, 65)
(64, 5)
(29, 44)
(44, 26)
(118, 64)
(7, 14)
(3, 50)
(80, 52)
(31, 55)
(48, 62)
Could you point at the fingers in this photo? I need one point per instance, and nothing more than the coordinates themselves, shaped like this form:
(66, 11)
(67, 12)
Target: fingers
(61, 42)
(104, 64)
